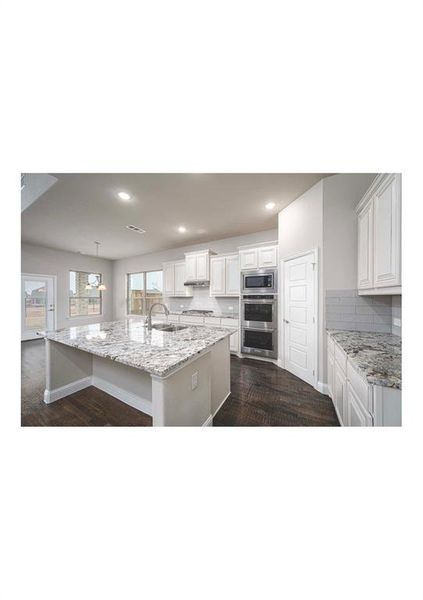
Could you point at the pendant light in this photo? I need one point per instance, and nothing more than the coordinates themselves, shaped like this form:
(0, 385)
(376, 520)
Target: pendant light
(100, 286)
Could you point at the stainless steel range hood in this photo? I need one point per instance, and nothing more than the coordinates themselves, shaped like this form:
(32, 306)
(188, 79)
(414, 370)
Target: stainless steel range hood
(196, 283)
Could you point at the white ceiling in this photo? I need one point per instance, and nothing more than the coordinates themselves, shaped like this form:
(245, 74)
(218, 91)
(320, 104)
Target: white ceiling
(82, 208)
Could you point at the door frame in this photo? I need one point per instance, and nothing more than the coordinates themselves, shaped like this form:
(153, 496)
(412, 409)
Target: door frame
(35, 275)
(314, 252)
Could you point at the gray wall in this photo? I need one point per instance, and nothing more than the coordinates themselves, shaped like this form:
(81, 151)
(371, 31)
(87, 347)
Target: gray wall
(324, 218)
(153, 261)
(46, 261)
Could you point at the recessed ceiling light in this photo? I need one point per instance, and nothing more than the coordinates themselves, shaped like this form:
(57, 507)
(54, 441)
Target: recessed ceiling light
(182, 229)
(270, 205)
(124, 196)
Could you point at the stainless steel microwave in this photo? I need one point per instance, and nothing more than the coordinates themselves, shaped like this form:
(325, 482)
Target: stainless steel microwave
(262, 281)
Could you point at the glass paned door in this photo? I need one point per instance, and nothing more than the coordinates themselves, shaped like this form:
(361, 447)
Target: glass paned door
(38, 306)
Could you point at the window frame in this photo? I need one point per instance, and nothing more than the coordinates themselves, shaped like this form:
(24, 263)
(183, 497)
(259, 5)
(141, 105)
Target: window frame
(99, 314)
(144, 297)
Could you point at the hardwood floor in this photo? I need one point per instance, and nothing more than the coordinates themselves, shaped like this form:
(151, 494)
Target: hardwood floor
(262, 395)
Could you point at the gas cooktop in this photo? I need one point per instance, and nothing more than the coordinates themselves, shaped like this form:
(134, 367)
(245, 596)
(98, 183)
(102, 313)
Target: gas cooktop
(197, 312)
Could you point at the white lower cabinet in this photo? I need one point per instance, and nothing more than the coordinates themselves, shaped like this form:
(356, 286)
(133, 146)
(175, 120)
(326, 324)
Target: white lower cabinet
(358, 403)
(357, 415)
(339, 391)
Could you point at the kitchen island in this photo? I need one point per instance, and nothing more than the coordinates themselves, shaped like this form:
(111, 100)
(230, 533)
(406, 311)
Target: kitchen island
(179, 375)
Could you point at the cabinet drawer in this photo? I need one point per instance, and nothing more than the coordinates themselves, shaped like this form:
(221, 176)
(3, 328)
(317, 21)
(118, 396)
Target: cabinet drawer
(173, 318)
(331, 345)
(211, 321)
(340, 357)
(362, 389)
(193, 320)
(230, 323)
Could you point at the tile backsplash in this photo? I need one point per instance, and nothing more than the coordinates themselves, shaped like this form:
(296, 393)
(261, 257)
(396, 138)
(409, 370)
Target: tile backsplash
(202, 300)
(396, 314)
(345, 309)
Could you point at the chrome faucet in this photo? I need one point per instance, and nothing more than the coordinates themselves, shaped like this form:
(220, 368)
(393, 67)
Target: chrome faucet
(165, 310)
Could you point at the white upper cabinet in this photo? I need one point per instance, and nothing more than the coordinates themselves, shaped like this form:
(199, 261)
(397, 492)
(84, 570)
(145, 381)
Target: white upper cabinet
(379, 237)
(198, 265)
(224, 275)
(217, 276)
(365, 247)
(248, 259)
(267, 257)
(258, 258)
(191, 267)
(387, 233)
(232, 275)
(174, 279)
(180, 288)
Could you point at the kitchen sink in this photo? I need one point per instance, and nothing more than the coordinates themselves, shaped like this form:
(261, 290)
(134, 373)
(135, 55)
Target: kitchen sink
(167, 327)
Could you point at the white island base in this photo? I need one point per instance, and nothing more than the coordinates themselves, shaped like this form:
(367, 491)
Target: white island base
(189, 396)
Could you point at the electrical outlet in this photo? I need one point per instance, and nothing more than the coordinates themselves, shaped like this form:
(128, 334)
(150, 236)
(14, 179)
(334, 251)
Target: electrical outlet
(194, 380)
(396, 322)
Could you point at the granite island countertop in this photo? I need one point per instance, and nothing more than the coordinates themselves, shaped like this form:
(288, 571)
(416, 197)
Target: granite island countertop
(377, 356)
(217, 315)
(129, 342)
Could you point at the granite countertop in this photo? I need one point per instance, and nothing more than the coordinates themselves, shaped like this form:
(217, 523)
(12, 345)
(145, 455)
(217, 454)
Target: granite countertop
(377, 356)
(129, 342)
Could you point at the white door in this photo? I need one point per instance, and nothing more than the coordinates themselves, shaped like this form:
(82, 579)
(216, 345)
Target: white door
(180, 289)
(202, 267)
(191, 267)
(267, 257)
(169, 279)
(232, 276)
(365, 248)
(38, 305)
(217, 277)
(299, 317)
(387, 234)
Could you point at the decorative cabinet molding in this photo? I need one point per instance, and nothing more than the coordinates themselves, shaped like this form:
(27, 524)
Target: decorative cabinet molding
(224, 275)
(356, 402)
(379, 237)
(260, 257)
(174, 275)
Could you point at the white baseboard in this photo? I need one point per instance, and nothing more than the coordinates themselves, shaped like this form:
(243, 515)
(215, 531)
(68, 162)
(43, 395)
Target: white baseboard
(221, 404)
(208, 422)
(61, 392)
(141, 404)
(322, 388)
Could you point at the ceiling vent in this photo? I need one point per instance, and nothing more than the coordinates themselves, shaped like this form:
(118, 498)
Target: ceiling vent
(134, 228)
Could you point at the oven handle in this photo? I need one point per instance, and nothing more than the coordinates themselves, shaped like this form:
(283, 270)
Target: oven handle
(258, 329)
(259, 301)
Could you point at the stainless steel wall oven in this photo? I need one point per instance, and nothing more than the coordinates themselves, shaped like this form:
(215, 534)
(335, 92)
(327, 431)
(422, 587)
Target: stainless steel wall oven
(259, 325)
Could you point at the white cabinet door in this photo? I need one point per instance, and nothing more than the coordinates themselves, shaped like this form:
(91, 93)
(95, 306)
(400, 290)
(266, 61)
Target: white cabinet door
(267, 257)
(357, 415)
(232, 276)
(330, 374)
(234, 342)
(217, 276)
(387, 233)
(365, 248)
(339, 392)
(248, 259)
(191, 267)
(202, 267)
(180, 289)
(169, 279)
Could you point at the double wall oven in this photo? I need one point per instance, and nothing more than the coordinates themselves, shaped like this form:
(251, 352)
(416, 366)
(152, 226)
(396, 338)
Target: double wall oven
(259, 313)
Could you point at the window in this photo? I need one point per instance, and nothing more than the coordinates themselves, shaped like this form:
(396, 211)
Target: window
(84, 301)
(143, 290)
